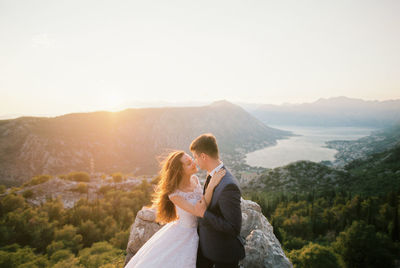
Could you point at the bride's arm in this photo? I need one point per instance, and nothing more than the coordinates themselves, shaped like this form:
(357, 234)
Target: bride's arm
(215, 179)
(183, 204)
(187, 206)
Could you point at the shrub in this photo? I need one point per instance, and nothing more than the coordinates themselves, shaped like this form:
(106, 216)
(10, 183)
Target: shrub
(28, 194)
(104, 189)
(117, 177)
(79, 176)
(39, 179)
(81, 188)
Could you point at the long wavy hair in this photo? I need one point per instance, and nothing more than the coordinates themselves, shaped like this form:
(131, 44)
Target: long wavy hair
(169, 178)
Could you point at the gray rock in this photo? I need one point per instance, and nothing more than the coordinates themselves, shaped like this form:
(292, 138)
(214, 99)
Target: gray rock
(141, 230)
(262, 247)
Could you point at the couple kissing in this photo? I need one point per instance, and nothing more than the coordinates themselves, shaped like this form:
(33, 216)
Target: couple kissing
(202, 223)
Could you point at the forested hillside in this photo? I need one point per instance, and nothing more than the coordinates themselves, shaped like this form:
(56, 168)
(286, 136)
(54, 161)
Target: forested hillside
(90, 234)
(326, 217)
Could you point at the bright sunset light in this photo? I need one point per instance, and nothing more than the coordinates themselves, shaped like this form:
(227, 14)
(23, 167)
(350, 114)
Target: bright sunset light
(69, 56)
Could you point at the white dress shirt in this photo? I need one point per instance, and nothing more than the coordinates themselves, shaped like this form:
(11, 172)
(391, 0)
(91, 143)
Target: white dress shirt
(216, 169)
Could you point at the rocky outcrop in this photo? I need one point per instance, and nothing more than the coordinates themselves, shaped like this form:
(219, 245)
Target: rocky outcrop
(141, 230)
(262, 247)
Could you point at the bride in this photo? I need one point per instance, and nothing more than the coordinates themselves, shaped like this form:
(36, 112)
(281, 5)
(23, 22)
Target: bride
(178, 191)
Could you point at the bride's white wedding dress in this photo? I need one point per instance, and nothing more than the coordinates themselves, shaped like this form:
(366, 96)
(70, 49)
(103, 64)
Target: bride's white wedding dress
(176, 243)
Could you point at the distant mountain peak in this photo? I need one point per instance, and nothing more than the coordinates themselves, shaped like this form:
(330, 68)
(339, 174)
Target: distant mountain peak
(335, 111)
(225, 104)
(344, 99)
(221, 102)
(339, 99)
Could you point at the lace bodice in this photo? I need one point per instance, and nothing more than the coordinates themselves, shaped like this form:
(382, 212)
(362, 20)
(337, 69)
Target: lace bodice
(185, 218)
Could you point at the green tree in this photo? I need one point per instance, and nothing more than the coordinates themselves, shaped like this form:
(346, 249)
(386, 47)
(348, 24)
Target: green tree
(22, 257)
(11, 202)
(61, 255)
(99, 254)
(71, 262)
(81, 212)
(314, 255)
(69, 237)
(54, 247)
(120, 240)
(55, 210)
(294, 243)
(90, 233)
(360, 246)
(108, 227)
(29, 227)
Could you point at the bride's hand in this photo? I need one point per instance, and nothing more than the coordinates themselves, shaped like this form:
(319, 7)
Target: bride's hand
(216, 178)
(200, 207)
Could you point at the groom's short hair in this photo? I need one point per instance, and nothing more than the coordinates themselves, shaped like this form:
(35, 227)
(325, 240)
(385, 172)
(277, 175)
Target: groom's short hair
(205, 143)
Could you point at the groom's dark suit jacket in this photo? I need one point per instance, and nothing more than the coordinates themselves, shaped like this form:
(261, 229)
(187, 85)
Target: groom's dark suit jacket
(219, 229)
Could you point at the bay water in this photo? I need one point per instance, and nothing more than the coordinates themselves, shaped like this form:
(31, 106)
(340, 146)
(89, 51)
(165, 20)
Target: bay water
(309, 145)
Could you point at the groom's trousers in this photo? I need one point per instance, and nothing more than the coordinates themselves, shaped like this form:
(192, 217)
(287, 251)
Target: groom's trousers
(203, 262)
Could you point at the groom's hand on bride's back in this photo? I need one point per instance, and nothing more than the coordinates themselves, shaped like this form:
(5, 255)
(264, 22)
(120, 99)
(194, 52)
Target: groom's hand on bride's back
(200, 208)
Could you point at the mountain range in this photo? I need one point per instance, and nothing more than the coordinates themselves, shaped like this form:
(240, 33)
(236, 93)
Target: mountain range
(332, 112)
(130, 141)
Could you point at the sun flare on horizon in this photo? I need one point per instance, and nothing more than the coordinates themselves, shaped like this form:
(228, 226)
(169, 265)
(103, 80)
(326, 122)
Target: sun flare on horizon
(111, 101)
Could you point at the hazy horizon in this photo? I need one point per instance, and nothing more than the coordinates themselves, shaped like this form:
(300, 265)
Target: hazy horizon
(161, 104)
(62, 57)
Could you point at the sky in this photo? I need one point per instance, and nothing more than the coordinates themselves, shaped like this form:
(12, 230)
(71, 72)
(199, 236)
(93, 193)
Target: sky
(59, 57)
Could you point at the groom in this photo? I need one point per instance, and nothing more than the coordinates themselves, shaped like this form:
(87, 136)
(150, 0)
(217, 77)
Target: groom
(219, 227)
